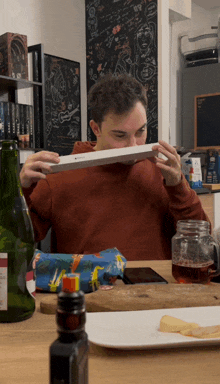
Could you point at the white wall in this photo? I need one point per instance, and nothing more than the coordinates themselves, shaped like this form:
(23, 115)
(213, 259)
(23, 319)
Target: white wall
(181, 7)
(22, 17)
(163, 70)
(200, 19)
(58, 25)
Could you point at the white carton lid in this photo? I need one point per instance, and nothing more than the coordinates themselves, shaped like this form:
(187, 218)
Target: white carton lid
(108, 156)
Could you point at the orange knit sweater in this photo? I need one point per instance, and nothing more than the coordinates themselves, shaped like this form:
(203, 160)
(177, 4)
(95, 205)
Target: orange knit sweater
(117, 205)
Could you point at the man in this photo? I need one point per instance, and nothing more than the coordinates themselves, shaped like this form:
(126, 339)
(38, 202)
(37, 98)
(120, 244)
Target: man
(133, 206)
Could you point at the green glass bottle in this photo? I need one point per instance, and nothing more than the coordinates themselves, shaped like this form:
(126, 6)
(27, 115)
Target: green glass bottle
(17, 244)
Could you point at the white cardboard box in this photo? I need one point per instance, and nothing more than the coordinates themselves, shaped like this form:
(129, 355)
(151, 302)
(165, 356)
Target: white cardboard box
(191, 168)
(108, 156)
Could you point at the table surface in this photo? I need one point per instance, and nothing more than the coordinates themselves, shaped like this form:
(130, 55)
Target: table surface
(24, 354)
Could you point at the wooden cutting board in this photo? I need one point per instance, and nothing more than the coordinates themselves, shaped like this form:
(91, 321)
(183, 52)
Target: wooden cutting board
(142, 297)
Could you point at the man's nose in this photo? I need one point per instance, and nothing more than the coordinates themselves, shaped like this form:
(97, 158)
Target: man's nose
(132, 142)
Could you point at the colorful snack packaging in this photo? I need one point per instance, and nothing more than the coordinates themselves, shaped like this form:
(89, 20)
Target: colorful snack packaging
(96, 269)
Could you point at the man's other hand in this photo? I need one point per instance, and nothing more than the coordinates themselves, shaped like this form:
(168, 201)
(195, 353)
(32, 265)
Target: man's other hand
(35, 164)
(170, 168)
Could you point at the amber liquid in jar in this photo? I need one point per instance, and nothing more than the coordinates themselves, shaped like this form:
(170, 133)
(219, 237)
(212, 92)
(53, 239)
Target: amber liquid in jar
(193, 274)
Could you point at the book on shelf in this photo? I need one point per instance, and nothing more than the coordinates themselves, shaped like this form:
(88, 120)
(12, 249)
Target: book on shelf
(6, 106)
(2, 121)
(31, 125)
(27, 126)
(21, 106)
(37, 112)
(12, 120)
(17, 123)
(24, 134)
(17, 119)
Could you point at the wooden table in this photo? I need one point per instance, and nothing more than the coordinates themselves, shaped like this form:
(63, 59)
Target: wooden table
(24, 354)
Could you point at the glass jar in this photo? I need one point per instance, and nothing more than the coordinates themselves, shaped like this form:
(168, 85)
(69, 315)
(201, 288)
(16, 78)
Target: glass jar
(195, 254)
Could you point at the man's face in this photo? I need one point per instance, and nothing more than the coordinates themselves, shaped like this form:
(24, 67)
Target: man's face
(127, 130)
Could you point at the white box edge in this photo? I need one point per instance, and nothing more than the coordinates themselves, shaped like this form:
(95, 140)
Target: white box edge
(108, 156)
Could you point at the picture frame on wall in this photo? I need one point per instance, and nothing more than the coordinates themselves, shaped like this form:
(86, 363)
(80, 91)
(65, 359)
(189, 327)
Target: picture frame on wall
(62, 104)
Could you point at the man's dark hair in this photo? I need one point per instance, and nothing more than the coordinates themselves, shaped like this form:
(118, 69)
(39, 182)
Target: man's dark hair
(115, 94)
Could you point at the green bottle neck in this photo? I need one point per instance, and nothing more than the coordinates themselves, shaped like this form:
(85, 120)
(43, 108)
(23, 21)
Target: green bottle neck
(9, 174)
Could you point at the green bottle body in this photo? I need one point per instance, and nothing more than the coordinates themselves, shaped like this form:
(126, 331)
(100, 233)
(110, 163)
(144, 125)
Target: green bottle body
(17, 244)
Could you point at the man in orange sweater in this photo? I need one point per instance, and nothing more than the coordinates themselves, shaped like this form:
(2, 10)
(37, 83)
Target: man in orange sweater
(133, 206)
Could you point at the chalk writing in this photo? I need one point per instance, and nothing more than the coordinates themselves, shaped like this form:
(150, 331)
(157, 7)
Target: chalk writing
(62, 104)
(122, 38)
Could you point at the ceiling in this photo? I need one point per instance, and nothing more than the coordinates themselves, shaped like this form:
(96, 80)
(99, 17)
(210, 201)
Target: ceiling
(207, 4)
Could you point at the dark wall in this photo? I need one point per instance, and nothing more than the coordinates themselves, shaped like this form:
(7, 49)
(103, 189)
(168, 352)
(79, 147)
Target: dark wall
(196, 81)
(121, 36)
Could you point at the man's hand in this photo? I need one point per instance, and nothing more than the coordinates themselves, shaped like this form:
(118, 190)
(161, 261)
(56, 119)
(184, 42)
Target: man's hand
(31, 171)
(170, 168)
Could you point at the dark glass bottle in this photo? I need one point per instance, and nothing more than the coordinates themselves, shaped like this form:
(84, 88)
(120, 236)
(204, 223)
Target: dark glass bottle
(17, 244)
(69, 353)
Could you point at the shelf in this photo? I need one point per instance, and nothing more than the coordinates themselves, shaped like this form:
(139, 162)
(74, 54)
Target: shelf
(212, 187)
(203, 190)
(8, 82)
(9, 92)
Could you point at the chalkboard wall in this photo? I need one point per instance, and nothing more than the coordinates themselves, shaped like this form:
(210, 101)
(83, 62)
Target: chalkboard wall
(121, 36)
(207, 121)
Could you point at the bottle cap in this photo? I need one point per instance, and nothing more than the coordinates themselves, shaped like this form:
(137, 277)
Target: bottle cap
(71, 282)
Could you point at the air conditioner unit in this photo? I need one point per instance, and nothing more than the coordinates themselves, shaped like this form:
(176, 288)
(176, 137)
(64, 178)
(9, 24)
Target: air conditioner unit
(201, 47)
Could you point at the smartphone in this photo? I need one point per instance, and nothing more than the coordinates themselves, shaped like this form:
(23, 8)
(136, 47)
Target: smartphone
(142, 276)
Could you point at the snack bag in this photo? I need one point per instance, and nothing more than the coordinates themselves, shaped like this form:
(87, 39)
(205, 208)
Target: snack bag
(96, 269)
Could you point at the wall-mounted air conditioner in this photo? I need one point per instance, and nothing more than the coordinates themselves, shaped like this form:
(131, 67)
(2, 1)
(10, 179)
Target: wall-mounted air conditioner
(201, 47)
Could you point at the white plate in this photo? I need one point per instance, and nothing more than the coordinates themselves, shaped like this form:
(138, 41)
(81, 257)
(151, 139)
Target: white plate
(140, 329)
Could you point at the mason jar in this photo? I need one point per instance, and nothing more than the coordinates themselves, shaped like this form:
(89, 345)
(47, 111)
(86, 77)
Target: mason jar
(195, 254)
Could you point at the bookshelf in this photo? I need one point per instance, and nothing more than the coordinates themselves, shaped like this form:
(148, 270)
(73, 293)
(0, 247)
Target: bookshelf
(15, 84)
(9, 88)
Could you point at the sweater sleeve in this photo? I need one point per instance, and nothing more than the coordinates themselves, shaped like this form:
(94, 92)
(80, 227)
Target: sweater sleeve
(39, 201)
(184, 203)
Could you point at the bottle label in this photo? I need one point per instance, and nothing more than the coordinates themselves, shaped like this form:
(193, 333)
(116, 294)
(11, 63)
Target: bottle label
(3, 281)
(31, 283)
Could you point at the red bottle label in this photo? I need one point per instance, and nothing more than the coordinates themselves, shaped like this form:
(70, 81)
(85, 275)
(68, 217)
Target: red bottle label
(31, 283)
(3, 281)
